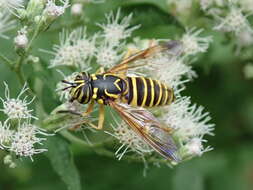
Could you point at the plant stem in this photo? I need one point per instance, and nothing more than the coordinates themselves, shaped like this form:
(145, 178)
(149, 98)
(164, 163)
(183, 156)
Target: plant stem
(101, 150)
(7, 61)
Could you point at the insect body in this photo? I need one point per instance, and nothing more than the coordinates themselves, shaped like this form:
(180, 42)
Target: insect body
(146, 92)
(135, 91)
(129, 96)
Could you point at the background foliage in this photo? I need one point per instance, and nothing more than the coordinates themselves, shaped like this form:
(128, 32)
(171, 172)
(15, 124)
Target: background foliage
(221, 87)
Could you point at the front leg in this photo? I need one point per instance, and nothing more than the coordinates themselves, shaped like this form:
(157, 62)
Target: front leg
(89, 109)
(101, 118)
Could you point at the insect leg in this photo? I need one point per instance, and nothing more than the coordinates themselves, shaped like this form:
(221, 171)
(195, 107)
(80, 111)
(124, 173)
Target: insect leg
(89, 109)
(101, 118)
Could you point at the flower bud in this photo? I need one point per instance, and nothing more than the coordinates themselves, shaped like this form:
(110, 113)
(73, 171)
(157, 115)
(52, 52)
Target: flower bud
(21, 41)
(77, 9)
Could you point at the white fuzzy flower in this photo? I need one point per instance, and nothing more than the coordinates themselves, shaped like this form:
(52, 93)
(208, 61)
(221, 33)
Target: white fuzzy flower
(116, 29)
(75, 49)
(235, 21)
(21, 40)
(53, 11)
(77, 9)
(6, 23)
(107, 55)
(169, 66)
(170, 69)
(130, 141)
(11, 5)
(24, 140)
(193, 43)
(137, 44)
(5, 134)
(195, 147)
(16, 108)
(188, 120)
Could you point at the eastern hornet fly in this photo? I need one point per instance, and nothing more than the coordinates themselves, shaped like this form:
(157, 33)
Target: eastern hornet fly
(129, 96)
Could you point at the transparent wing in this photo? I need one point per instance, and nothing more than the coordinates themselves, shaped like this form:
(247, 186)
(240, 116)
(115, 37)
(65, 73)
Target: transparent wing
(129, 61)
(149, 129)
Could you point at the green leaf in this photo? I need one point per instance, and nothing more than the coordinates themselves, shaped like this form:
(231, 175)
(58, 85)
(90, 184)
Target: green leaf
(62, 162)
(162, 4)
(150, 16)
(188, 178)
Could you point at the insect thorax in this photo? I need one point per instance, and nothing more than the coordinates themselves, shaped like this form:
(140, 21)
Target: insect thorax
(107, 87)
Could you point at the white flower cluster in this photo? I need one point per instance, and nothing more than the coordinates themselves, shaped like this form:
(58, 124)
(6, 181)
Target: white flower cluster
(17, 134)
(173, 65)
(77, 49)
(130, 141)
(190, 124)
(232, 16)
(193, 43)
(78, 5)
(52, 10)
(115, 29)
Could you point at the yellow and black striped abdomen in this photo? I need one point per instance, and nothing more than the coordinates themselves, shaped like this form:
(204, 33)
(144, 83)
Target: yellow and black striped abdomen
(147, 92)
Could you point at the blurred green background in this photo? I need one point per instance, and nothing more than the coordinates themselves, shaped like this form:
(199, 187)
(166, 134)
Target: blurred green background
(220, 87)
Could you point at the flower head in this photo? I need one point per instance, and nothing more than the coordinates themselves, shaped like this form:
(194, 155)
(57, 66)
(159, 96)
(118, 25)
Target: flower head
(19, 137)
(235, 21)
(77, 9)
(116, 30)
(130, 141)
(107, 55)
(188, 120)
(75, 49)
(195, 147)
(171, 70)
(16, 108)
(53, 11)
(24, 140)
(193, 43)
